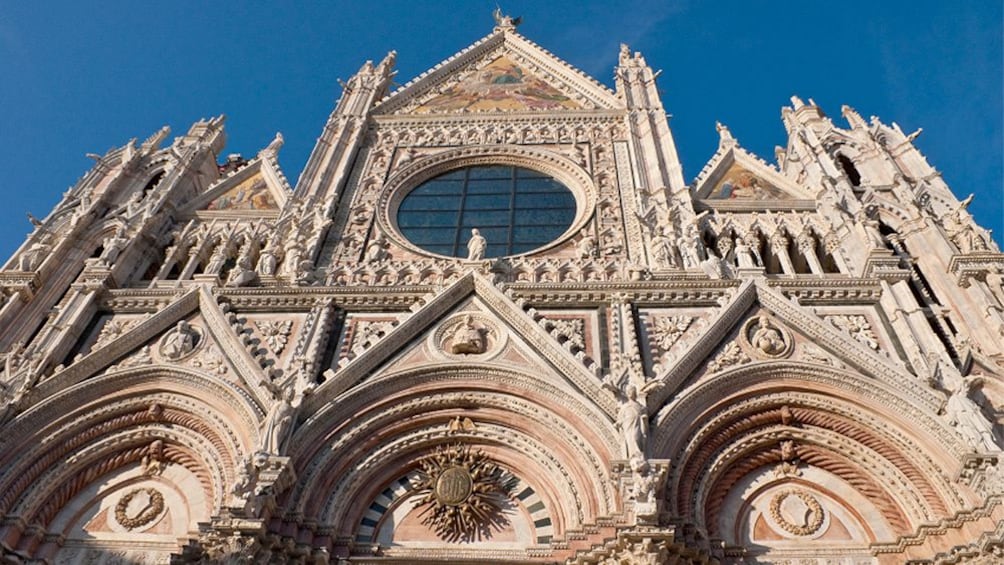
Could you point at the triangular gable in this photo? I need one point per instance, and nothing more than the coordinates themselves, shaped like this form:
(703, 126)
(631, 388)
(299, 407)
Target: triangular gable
(833, 343)
(735, 176)
(216, 340)
(502, 72)
(259, 189)
(499, 86)
(519, 324)
(250, 194)
(433, 347)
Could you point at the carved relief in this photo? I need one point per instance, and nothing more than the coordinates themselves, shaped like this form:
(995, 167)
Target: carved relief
(365, 333)
(468, 334)
(112, 330)
(766, 339)
(181, 342)
(211, 359)
(464, 493)
(857, 326)
(797, 512)
(139, 507)
(729, 356)
(275, 333)
(138, 359)
(573, 329)
(814, 354)
(666, 330)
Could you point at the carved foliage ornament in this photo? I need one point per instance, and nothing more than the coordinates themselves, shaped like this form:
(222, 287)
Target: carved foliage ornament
(795, 502)
(858, 327)
(463, 493)
(729, 356)
(139, 507)
(275, 333)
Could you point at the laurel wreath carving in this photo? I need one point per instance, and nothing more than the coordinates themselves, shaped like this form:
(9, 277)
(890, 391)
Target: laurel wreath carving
(151, 511)
(815, 513)
(464, 493)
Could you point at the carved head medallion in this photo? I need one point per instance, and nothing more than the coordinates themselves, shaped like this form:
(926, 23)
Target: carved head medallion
(468, 335)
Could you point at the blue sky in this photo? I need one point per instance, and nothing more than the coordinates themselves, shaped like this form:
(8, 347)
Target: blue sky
(78, 78)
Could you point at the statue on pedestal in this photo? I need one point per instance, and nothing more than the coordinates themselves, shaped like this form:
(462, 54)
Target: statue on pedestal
(476, 246)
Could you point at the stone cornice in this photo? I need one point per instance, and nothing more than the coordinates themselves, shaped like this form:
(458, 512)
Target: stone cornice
(678, 289)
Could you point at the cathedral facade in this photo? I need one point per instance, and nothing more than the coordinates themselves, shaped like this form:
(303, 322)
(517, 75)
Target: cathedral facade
(493, 323)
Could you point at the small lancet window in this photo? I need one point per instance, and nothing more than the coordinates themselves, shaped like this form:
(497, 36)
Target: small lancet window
(850, 170)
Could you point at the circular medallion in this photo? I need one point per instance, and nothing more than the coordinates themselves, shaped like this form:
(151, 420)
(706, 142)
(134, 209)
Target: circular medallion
(453, 486)
(765, 339)
(139, 507)
(181, 342)
(468, 335)
(797, 511)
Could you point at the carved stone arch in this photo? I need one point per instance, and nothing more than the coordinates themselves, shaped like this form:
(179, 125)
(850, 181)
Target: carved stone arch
(398, 419)
(89, 241)
(119, 429)
(49, 495)
(159, 162)
(733, 425)
(891, 214)
(825, 449)
(153, 177)
(225, 418)
(563, 169)
(846, 155)
(555, 484)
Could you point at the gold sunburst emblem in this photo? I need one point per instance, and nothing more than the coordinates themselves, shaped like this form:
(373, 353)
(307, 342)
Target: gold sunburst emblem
(464, 493)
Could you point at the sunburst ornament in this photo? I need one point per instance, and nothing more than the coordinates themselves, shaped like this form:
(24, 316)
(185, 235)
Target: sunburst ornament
(464, 493)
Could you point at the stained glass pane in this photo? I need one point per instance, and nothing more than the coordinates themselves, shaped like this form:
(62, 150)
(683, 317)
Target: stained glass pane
(516, 210)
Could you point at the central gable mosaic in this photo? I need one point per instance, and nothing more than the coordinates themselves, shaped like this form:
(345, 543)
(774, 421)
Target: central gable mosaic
(501, 86)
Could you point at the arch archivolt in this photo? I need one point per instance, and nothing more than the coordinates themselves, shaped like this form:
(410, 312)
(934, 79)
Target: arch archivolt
(867, 472)
(111, 453)
(561, 487)
(536, 438)
(581, 412)
(729, 435)
(824, 413)
(872, 401)
(66, 442)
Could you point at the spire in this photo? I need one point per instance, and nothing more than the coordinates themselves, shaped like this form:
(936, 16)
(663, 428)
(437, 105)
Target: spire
(853, 118)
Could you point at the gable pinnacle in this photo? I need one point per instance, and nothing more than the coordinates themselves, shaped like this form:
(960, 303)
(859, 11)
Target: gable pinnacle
(504, 22)
(725, 138)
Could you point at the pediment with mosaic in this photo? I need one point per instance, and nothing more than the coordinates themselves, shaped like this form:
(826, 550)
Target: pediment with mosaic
(251, 194)
(739, 183)
(503, 85)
